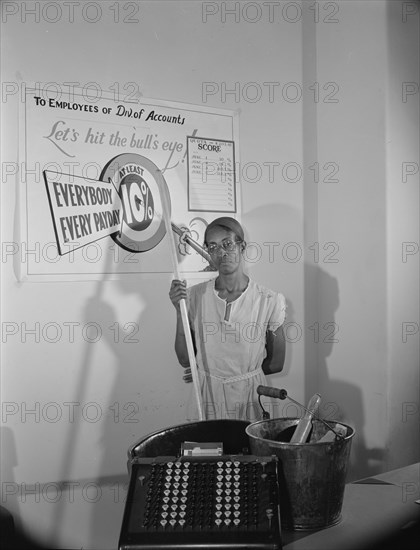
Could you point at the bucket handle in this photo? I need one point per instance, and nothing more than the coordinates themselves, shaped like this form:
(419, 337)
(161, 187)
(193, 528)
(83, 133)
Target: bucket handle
(282, 394)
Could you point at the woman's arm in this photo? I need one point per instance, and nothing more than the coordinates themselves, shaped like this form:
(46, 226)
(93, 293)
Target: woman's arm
(275, 346)
(181, 348)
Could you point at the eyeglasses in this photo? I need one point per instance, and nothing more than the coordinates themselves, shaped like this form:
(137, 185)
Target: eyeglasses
(226, 244)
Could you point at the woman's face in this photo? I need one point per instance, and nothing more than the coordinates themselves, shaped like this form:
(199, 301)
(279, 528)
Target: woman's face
(225, 251)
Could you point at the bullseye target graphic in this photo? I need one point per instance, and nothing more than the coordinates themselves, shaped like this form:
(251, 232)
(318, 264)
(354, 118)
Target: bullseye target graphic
(140, 185)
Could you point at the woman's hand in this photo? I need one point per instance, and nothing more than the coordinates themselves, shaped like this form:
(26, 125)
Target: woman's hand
(187, 375)
(178, 292)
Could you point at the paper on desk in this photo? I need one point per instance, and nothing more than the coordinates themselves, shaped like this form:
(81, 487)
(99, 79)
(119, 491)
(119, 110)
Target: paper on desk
(372, 481)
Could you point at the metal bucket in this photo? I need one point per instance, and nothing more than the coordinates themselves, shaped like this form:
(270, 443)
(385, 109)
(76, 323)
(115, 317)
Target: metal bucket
(312, 476)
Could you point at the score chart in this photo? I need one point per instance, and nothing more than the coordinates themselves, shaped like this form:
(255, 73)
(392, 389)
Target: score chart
(211, 175)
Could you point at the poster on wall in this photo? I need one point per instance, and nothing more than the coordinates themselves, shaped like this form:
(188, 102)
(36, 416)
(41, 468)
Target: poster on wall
(93, 173)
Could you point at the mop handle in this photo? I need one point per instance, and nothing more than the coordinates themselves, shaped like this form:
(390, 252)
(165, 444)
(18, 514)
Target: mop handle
(183, 307)
(305, 423)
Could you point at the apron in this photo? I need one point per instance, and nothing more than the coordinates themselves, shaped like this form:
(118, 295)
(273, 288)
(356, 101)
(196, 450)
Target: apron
(230, 340)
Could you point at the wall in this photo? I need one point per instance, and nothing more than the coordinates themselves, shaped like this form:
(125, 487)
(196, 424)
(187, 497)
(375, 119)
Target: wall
(123, 391)
(352, 214)
(371, 373)
(402, 154)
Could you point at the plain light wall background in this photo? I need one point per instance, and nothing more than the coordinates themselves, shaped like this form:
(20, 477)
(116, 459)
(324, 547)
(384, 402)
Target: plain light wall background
(368, 378)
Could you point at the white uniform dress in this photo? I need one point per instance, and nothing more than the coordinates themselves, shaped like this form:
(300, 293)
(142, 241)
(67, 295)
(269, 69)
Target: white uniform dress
(230, 338)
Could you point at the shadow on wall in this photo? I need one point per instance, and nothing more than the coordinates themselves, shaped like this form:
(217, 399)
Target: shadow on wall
(9, 488)
(127, 399)
(341, 400)
(269, 230)
(12, 536)
(272, 232)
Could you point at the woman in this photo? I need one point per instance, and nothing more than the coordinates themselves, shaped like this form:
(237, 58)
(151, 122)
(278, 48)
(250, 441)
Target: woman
(236, 327)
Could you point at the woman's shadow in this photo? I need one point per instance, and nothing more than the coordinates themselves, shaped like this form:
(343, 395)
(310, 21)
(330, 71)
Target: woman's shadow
(127, 402)
(342, 401)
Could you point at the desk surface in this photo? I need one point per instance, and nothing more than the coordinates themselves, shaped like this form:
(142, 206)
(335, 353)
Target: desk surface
(373, 509)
